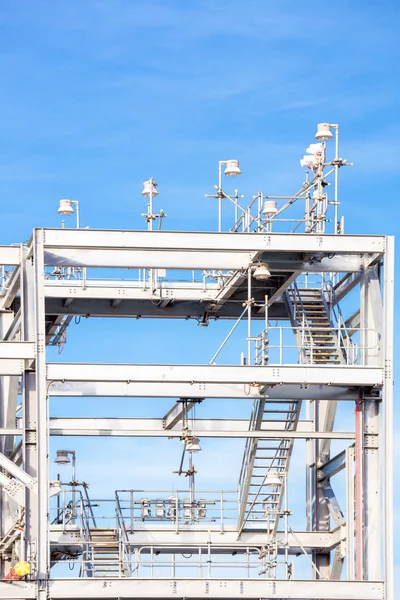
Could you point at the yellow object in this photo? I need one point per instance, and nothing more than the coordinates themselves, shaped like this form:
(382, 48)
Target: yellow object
(22, 568)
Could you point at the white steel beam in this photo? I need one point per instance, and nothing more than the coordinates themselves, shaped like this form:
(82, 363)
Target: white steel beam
(123, 427)
(213, 242)
(11, 366)
(169, 259)
(10, 255)
(17, 350)
(130, 290)
(213, 588)
(18, 590)
(348, 376)
(157, 425)
(222, 542)
(151, 389)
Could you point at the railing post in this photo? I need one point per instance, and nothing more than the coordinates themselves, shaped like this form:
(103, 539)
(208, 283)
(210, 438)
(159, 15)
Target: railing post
(222, 511)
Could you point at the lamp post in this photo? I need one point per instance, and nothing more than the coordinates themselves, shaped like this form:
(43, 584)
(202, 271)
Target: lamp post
(324, 134)
(67, 208)
(62, 458)
(149, 191)
(231, 170)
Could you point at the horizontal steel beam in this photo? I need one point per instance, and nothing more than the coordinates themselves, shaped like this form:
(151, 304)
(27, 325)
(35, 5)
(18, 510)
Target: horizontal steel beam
(10, 255)
(95, 307)
(212, 241)
(349, 376)
(130, 290)
(213, 588)
(11, 366)
(210, 428)
(167, 541)
(193, 259)
(17, 350)
(144, 389)
(137, 425)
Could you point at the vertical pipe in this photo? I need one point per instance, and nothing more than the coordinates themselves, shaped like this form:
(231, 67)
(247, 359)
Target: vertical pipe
(249, 316)
(259, 209)
(308, 462)
(359, 494)
(286, 530)
(219, 196)
(209, 555)
(131, 508)
(350, 512)
(77, 216)
(177, 514)
(222, 510)
(265, 341)
(336, 206)
(307, 216)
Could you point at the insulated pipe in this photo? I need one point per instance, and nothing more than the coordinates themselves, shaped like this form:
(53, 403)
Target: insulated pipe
(359, 493)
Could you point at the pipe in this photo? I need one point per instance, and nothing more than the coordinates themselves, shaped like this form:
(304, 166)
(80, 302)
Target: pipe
(359, 493)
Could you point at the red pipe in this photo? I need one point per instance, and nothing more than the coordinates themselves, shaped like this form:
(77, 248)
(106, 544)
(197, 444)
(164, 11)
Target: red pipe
(359, 494)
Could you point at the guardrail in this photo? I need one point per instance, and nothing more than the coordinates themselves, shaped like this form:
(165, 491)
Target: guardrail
(276, 345)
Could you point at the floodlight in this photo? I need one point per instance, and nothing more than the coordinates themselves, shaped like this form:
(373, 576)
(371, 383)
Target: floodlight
(262, 273)
(269, 208)
(193, 445)
(62, 457)
(324, 132)
(232, 168)
(150, 188)
(272, 478)
(66, 207)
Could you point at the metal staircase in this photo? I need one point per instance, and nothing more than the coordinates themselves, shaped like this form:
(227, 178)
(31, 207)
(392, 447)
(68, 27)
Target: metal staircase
(317, 339)
(265, 464)
(266, 461)
(102, 557)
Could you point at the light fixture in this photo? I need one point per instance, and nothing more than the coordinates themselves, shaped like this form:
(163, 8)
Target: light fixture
(269, 208)
(62, 457)
(66, 207)
(272, 479)
(232, 168)
(193, 445)
(262, 273)
(309, 161)
(150, 187)
(315, 148)
(324, 132)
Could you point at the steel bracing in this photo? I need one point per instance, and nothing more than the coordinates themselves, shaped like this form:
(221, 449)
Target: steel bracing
(319, 336)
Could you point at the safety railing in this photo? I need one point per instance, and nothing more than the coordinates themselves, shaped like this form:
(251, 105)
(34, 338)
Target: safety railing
(198, 561)
(142, 509)
(276, 345)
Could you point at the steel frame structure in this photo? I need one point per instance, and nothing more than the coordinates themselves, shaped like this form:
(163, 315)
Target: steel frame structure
(34, 305)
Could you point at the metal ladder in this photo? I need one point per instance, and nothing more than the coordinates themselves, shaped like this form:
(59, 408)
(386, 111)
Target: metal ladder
(102, 557)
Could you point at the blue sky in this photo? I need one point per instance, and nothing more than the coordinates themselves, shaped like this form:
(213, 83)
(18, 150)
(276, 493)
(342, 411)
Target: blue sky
(97, 96)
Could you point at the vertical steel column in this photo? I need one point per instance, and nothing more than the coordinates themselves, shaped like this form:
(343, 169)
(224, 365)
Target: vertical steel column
(35, 416)
(321, 515)
(387, 430)
(371, 322)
